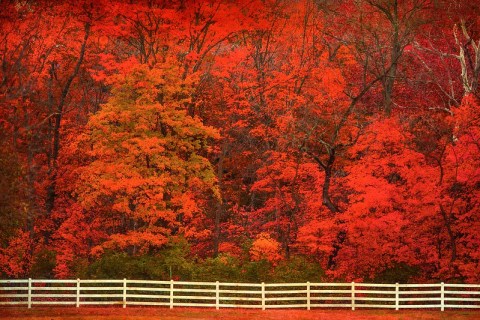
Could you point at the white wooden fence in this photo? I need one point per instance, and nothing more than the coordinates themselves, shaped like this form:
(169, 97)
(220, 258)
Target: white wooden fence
(238, 295)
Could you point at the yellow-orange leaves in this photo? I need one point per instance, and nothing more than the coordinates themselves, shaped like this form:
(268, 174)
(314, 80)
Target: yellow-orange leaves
(148, 173)
(265, 247)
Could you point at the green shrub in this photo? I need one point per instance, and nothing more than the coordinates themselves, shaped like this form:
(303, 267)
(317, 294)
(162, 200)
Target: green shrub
(224, 268)
(43, 264)
(171, 262)
(400, 272)
(298, 269)
(256, 271)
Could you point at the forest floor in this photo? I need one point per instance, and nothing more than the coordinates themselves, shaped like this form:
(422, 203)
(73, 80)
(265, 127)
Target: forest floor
(148, 313)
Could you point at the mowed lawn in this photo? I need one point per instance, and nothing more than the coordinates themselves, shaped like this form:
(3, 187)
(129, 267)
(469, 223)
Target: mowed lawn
(38, 313)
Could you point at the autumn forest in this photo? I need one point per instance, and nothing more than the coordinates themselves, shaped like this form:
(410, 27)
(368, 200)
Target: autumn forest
(249, 140)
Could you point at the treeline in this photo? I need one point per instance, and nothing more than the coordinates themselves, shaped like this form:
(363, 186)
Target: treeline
(256, 140)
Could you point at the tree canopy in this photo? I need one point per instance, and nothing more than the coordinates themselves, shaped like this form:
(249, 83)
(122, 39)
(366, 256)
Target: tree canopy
(241, 139)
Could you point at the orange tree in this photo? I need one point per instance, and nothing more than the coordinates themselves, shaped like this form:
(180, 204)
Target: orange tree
(146, 176)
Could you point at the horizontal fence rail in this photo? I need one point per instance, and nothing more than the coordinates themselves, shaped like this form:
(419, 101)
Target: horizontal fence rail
(217, 295)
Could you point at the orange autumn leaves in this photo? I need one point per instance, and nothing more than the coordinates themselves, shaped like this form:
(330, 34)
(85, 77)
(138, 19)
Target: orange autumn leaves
(147, 174)
(264, 247)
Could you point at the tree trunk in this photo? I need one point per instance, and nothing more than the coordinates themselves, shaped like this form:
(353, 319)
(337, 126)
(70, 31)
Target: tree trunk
(220, 208)
(451, 235)
(51, 188)
(326, 184)
(391, 74)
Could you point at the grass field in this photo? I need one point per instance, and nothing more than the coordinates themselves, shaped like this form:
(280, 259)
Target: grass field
(231, 314)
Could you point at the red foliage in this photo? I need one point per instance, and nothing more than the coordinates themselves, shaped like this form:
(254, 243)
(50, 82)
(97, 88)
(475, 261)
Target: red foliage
(345, 131)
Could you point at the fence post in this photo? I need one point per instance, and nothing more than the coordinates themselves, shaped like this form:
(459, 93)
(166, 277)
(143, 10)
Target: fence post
(217, 295)
(124, 292)
(308, 295)
(171, 294)
(442, 296)
(29, 293)
(353, 295)
(78, 293)
(397, 296)
(263, 295)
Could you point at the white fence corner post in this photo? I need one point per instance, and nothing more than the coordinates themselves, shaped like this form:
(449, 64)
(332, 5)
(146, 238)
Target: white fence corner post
(263, 295)
(124, 292)
(171, 294)
(397, 296)
(77, 304)
(217, 295)
(308, 295)
(442, 296)
(29, 293)
(353, 295)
